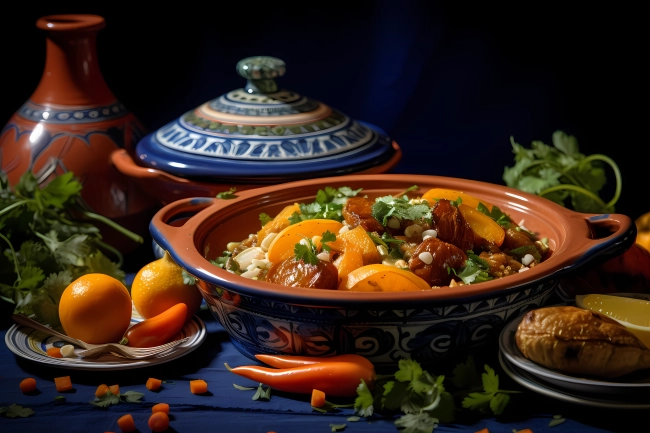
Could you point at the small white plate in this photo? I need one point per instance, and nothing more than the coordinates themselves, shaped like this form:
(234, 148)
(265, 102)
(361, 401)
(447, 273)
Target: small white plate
(32, 345)
(630, 384)
(534, 384)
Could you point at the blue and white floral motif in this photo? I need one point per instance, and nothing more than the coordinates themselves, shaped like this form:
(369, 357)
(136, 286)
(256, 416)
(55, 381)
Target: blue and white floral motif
(43, 114)
(383, 336)
(349, 135)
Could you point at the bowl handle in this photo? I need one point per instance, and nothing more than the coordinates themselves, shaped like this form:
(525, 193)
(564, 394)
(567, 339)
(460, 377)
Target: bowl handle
(159, 183)
(611, 235)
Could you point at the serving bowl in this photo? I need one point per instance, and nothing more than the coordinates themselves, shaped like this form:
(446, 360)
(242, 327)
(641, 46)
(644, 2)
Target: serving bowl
(440, 324)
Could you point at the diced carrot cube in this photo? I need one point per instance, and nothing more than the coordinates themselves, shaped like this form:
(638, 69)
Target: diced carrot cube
(158, 422)
(54, 352)
(101, 390)
(198, 386)
(126, 423)
(153, 384)
(63, 383)
(114, 389)
(484, 430)
(317, 398)
(28, 385)
(160, 407)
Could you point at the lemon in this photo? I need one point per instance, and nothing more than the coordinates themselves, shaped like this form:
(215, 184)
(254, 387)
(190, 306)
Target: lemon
(159, 285)
(632, 313)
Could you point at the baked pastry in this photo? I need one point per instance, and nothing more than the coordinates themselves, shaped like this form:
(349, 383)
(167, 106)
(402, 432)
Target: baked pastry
(580, 342)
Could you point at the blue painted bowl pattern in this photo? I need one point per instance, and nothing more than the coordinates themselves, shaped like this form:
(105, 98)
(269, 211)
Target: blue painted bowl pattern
(381, 334)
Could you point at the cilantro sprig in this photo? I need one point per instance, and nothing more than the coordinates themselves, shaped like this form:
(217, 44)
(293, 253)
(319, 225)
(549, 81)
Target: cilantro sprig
(110, 399)
(423, 400)
(328, 204)
(47, 242)
(400, 208)
(562, 174)
(308, 252)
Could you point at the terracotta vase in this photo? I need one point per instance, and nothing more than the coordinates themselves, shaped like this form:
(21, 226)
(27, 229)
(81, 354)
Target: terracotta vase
(73, 122)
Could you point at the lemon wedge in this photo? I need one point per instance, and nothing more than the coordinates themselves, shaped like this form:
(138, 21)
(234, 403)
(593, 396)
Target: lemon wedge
(632, 313)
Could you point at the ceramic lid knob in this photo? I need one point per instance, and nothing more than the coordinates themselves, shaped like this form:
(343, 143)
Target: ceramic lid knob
(261, 71)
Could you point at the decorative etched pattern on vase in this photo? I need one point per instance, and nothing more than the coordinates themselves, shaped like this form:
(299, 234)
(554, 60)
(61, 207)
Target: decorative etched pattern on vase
(73, 122)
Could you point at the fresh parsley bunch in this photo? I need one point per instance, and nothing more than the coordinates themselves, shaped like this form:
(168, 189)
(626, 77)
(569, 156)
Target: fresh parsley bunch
(562, 174)
(45, 246)
(423, 400)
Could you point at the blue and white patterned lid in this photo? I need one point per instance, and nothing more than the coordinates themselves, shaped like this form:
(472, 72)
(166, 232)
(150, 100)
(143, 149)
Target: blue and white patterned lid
(262, 131)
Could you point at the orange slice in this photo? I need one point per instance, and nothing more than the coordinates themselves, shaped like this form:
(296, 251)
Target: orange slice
(483, 225)
(383, 278)
(282, 246)
(452, 195)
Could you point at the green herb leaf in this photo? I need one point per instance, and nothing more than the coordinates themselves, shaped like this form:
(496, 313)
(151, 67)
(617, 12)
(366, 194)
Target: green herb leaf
(416, 423)
(244, 388)
(15, 411)
(363, 403)
(261, 393)
(337, 427)
(400, 208)
(474, 270)
(562, 174)
(265, 219)
(227, 195)
(328, 236)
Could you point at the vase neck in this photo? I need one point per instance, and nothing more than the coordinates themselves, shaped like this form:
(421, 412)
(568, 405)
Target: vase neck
(72, 75)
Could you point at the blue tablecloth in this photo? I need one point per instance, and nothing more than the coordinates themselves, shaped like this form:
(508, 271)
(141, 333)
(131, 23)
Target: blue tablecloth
(226, 409)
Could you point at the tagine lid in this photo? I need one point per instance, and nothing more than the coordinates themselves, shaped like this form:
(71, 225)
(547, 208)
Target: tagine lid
(262, 130)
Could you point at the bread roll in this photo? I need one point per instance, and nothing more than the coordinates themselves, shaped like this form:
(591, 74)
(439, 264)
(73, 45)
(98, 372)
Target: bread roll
(580, 342)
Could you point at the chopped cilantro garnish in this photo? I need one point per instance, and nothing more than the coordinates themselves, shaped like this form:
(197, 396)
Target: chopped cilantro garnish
(520, 252)
(496, 214)
(400, 208)
(110, 399)
(474, 270)
(491, 400)
(307, 252)
(228, 195)
(328, 204)
(15, 411)
(265, 218)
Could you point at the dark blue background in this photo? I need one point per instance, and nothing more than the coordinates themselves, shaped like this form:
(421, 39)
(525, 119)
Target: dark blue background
(449, 81)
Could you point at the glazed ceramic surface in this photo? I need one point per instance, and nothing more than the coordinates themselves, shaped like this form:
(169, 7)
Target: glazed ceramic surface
(259, 135)
(430, 325)
(73, 122)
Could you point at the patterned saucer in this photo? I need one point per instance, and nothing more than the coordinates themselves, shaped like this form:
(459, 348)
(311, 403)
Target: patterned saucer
(32, 345)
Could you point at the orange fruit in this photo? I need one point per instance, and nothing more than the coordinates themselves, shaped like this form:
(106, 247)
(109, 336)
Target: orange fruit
(159, 285)
(95, 308)
(383, 278)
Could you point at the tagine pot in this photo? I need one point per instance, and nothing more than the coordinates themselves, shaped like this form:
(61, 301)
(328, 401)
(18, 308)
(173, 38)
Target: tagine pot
(73, 122)
(255, 136)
